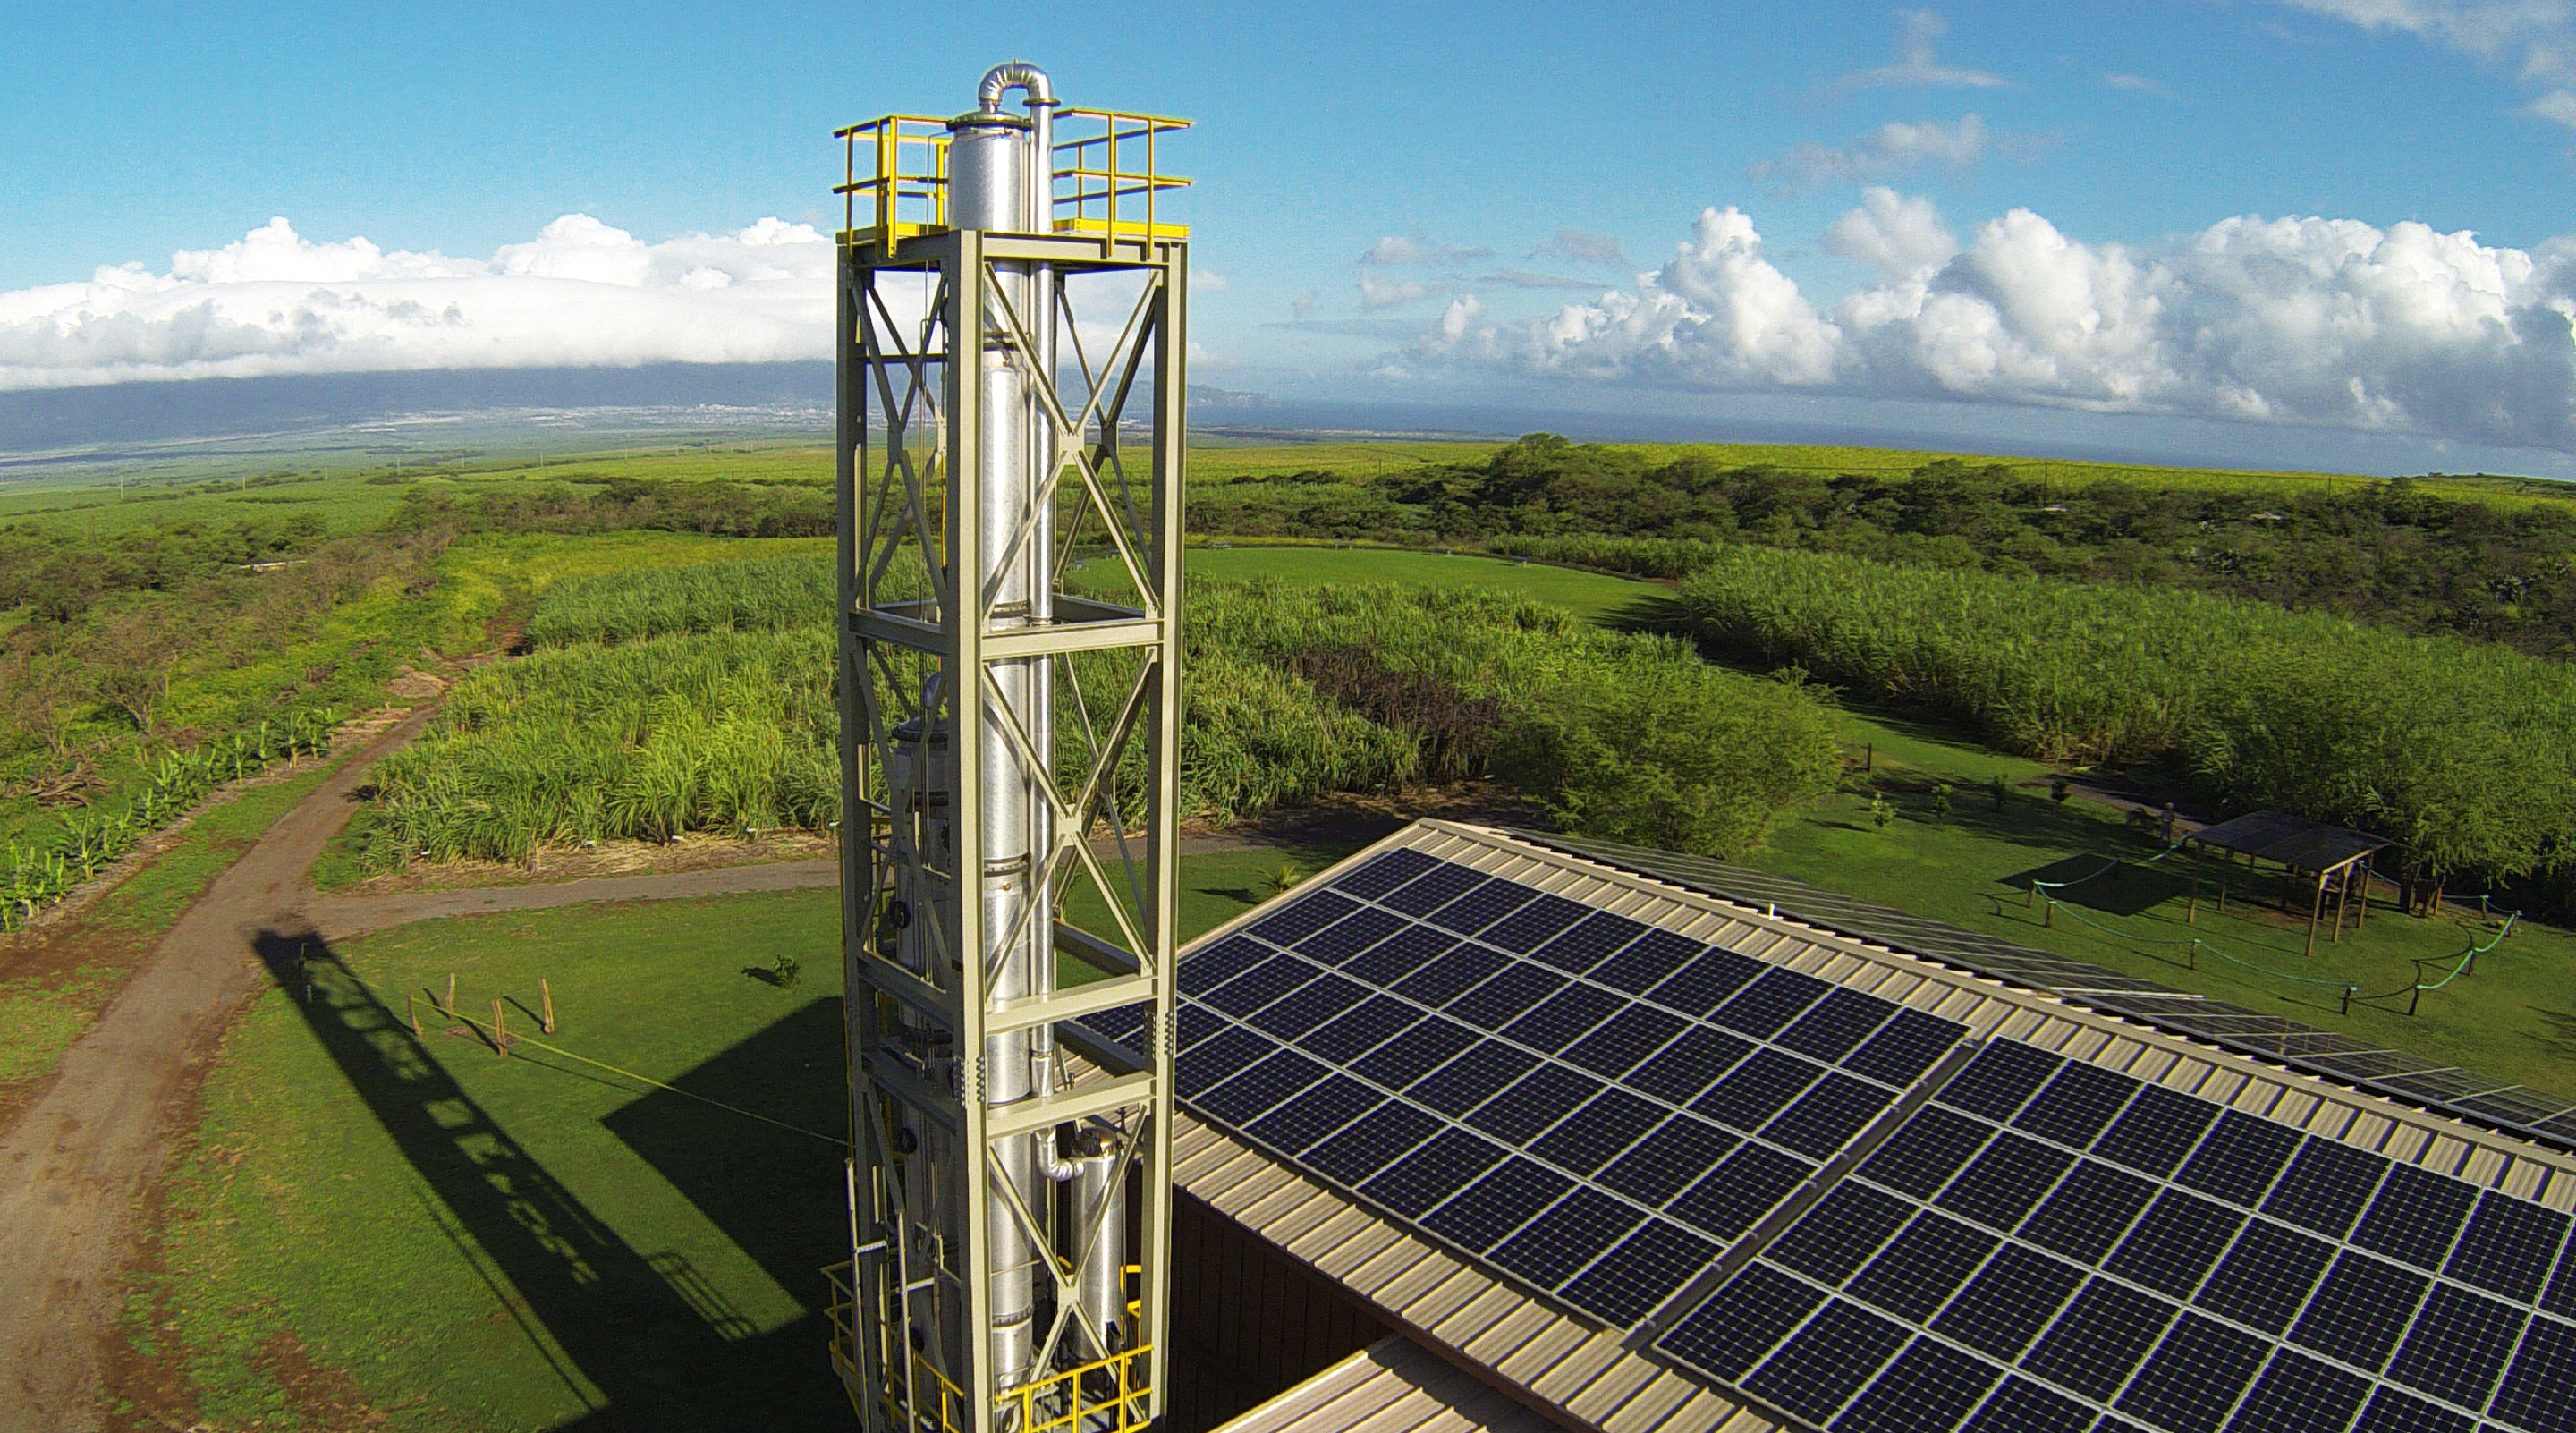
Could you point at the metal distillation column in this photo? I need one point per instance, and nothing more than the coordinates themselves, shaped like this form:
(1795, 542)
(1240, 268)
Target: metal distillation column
(991, 1203)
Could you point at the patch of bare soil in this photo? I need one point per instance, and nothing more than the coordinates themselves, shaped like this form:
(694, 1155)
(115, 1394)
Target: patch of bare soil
(694, 852)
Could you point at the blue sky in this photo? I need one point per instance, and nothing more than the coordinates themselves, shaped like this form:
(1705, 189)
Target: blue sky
(1474, 137)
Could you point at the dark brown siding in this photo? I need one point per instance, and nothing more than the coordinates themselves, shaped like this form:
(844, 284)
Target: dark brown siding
(1248, 1322)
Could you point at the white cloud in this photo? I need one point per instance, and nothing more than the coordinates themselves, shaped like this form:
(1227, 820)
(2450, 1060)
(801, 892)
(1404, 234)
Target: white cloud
(1915, 68)
(1892, 149)
(1903, 238)
(1209, 281)
(1393, 250)
(1585, 248)
(580, 294)
(1387, 293)
(2140, 85)
(1302, 305)
(2536, 39)
(2557, 106)
(2318, 321)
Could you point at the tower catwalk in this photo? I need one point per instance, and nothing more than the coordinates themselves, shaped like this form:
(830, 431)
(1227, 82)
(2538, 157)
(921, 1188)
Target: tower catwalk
(1009, 653)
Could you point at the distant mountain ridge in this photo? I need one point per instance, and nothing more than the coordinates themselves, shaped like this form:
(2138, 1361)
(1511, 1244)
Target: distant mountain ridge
(49, 419)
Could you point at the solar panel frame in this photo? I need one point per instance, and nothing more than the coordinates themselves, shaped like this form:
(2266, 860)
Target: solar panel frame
(1919, 1270)
(2296, 1393)
(2508, 1246)
(2416, 1217)
(1827, 1361)
(2192, 1380)
(1655, 1260)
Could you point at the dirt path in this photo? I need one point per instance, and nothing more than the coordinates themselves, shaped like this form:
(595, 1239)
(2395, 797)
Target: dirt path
(337, 918)
(80, 1158)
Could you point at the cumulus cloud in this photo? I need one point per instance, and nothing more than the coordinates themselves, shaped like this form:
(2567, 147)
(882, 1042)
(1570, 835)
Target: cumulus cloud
(1891, 149)
(2297, 320)
(1901, 237)
(1376, 292)
(1584, 248)
(2536, 39)
(580, 294)
(1915, 68)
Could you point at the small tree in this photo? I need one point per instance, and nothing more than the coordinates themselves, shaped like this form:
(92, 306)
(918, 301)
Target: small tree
(1880, 813)
(1999, 789)
(2059, 788)
(1941, 801)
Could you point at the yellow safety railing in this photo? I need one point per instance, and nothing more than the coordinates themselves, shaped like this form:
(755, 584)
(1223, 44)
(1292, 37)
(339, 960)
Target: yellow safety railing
(1097, 1397)
(1106, 179)
(1115, 175)
(1102, 1396)
(904, 158)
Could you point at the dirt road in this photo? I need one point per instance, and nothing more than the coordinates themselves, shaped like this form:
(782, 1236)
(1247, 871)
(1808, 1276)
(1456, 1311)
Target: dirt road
(78, 1161)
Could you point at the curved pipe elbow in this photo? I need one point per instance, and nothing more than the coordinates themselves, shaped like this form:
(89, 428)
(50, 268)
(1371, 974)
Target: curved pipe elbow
(1001, 79)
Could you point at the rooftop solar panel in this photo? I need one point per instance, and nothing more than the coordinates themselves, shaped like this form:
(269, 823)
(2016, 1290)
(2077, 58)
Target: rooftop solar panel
(1599, 1110)
(2219, 1279)
(2532, 1114)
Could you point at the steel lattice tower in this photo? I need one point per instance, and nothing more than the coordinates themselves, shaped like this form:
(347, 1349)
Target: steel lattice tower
(1009, 660)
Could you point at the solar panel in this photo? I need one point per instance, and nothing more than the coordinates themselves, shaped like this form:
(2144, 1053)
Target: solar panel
(2508, 1247)
(2532, 1114)
(1598, 1109)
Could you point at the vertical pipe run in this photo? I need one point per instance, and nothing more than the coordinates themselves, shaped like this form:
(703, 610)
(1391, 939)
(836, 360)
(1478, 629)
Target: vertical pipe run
(998, 168)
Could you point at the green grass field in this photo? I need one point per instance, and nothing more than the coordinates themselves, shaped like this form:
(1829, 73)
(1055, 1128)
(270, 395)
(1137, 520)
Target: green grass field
(474, 1242)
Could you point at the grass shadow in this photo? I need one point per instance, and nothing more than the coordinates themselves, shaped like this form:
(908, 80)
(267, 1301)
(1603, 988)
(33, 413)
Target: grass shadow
(636, 1326)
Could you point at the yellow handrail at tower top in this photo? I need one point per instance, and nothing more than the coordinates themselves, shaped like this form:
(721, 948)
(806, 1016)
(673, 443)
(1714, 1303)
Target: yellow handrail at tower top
(1106, 177)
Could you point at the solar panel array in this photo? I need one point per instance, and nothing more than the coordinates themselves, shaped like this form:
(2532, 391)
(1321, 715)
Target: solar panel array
(1592, 1105)
(1605, 1112)
(2048, 1239)
(2480, 1099)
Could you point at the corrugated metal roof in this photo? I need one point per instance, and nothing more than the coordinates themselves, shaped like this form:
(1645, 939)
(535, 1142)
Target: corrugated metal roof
(1561, 1362)
(1393, 1386)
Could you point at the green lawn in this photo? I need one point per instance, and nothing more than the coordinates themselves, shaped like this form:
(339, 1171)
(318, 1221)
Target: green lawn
(488, 1243)
(2512, 1018)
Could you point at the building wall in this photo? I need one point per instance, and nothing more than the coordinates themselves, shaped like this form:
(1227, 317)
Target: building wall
(1248, 1322)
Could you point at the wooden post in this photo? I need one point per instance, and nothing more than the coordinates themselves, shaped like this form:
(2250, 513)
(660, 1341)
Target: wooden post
(2316, 912)
(451, 995)
(1869, 756)
(500, 1033)
(2361, 916)
(547, 994)
(2048, 914)
(2226, 864)
(2191, 910)
(2343, 898)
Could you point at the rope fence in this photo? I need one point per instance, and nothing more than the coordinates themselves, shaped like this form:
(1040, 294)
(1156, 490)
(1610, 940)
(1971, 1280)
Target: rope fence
(2043, 891)
(494, 1032)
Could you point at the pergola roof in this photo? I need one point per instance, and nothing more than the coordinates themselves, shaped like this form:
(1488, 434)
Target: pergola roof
(2293, 841)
